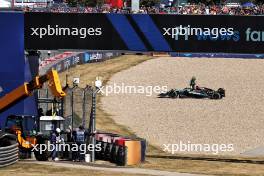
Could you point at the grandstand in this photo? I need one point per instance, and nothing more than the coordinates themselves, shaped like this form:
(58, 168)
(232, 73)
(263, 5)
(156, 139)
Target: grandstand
(5, 4)
(30, 3)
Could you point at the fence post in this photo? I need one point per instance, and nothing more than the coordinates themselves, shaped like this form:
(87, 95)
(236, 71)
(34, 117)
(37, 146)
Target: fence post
(93, 123)
(62, 106)
(47, 96)
(72, 109)
(83, 107)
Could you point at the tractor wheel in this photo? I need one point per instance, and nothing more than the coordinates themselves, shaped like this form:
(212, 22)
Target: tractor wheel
(24, 154)
(42, 155)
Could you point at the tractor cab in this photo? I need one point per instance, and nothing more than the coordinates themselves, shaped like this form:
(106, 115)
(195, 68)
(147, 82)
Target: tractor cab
(25, 124)
(47, 124)
(24, 128)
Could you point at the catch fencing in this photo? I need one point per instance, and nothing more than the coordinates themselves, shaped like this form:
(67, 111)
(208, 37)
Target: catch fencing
(76, 107)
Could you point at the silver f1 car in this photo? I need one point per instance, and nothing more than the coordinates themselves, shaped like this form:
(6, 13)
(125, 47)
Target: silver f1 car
(194, 92)
(198, 92)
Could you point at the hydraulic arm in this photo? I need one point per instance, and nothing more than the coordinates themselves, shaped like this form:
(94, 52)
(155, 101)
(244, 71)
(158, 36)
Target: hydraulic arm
(27, 89)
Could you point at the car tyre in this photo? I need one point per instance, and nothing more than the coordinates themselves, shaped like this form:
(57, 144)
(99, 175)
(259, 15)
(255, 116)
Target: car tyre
(216, 96)
(173, 94)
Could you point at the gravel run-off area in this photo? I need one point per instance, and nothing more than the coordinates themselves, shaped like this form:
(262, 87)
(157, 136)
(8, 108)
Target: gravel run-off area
(238, 119)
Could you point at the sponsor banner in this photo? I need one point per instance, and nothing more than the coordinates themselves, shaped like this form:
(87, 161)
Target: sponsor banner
(82, 58)
(89, 57)
(70, 31)
(219, 55)
(145, 32)
(66, 63)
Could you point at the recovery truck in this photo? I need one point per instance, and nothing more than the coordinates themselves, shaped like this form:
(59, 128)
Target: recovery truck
(17, 124)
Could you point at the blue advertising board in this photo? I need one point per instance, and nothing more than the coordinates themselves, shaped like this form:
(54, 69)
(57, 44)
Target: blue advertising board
(13, 68)
(79, 59)
(145, 32)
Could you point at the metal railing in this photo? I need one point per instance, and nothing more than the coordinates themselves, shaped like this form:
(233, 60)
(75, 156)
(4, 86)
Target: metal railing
(77, 107)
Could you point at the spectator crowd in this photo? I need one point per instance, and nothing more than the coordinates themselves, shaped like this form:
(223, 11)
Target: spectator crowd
(190, 9)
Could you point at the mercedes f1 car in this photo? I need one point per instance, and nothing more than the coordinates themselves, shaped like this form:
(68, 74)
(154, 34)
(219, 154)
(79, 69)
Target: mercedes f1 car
(198, 92)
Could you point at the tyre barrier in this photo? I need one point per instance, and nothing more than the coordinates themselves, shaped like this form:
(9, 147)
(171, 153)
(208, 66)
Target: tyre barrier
(113, 154)
(107, 153)
(8, 155)
(121, 158)
(120, 150)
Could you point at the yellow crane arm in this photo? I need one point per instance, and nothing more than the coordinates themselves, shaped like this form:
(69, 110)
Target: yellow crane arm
(27, 89)
(55, 84)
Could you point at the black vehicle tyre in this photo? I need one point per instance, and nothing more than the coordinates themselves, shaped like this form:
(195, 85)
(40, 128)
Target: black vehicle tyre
(9, 157)
(108, 149)
(121, 156)
(9, 152)
(98, 152)
(42, 155)
(113, 156)
(162, 95)
(102, 153)
(216, 96)
(24, 153)
(8, 148)
(221, 91)
(180, 96)
(173, 94)
(8, 160)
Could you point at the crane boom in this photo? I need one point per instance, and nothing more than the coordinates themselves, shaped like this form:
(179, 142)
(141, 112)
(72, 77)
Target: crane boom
(27, 89)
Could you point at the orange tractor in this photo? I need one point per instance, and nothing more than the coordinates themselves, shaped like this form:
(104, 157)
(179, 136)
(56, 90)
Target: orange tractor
(25, 127)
